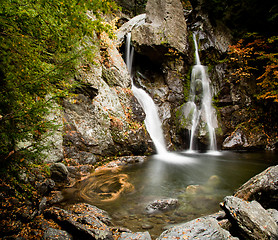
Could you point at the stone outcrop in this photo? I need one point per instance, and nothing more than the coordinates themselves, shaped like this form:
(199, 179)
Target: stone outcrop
(99, 120)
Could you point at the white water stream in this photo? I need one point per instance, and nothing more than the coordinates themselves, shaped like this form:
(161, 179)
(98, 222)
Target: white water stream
(152, 121)
(200, 102)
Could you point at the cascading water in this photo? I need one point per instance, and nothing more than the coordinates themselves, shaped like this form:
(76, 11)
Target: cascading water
(152, 121)
(200, 103)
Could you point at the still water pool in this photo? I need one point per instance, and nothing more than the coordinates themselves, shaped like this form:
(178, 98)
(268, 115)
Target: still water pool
(198, 180)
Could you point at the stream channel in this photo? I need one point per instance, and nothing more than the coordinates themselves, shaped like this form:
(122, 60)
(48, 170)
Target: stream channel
(199, 183)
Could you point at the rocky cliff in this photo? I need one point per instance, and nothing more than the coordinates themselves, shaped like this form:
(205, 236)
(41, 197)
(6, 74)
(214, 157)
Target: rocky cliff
(103, 118)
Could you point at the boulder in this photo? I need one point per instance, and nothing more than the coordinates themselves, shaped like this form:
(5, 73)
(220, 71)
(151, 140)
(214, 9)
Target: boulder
(59, 172)
(165, 26)
(135, 236)
(162, 205)
(56, 234)
(80, 224)
(201, 228)
(91, 211)
(262, 188)
(252, 220)
(236, 140)
(46, 186)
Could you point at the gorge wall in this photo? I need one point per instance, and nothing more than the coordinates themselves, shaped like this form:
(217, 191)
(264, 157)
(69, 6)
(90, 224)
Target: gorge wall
(103, 118)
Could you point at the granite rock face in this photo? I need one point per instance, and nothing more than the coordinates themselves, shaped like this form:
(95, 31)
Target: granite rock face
(165, 26)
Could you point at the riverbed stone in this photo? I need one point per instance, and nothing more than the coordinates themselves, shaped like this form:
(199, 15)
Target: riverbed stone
(135, 236)
(262, 188)
(252, 220)
(162, 205)
(200, 228)
(59, 172)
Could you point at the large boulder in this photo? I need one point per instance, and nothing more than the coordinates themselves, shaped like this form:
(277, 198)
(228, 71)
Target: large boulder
(80, 224)
(250, 218)
(165, 26)
(262, 188)
(201, 228)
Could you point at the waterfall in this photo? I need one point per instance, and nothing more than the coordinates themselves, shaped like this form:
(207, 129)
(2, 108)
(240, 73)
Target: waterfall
(200, 101)
(152, 121)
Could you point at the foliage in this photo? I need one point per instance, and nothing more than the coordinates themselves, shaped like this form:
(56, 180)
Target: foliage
(244, 15)
(42, 43)
(256, 57)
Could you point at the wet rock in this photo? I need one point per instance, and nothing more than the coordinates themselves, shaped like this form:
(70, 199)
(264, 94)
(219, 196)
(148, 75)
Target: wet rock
(127, 27)
(59, 172)
(162, 205)
(201, 228)
(135, 236)
(262, 188)
(46, 186)
(236, 141)
(253, 221)
(80, 225)
(147, 226)
(56, 234)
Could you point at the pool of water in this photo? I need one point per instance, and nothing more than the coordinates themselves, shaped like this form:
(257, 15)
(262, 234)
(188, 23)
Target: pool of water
(198, 181)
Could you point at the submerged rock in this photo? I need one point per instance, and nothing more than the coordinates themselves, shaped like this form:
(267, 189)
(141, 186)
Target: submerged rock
(253, 221)
(162, 205)
(201, 228)
(262, 188)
